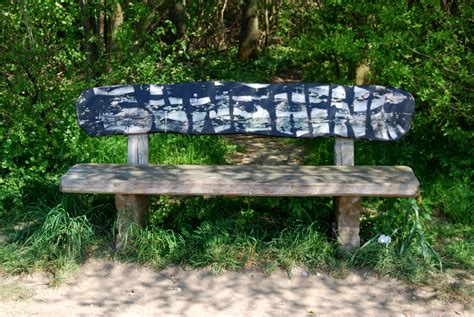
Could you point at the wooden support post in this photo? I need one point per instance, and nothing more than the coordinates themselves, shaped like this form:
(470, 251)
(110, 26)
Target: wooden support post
(346, 208)
(132, 208)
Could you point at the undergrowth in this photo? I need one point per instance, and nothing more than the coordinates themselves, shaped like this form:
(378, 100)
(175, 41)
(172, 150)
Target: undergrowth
(225, 245)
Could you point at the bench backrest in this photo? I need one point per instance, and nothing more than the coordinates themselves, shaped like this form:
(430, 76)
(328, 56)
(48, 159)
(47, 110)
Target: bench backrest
(287, 109)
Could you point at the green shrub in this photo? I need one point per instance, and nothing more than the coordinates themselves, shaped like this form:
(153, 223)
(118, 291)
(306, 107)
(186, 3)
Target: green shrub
(454, 198)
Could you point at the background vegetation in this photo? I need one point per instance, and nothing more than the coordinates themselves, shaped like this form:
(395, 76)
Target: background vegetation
(52, 50)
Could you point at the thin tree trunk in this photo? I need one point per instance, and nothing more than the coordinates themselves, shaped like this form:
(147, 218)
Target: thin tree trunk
(249, 33)
(450, 6)
(106, 29)
(267, 25)
(114, 22)
(221, 27)
(178, 17)
(85, 26)
(90, 27)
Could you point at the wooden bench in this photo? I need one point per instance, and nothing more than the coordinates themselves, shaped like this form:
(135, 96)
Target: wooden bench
(284, 110)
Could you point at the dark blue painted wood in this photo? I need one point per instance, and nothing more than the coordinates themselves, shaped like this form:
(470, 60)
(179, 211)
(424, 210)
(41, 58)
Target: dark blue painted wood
(288, 109)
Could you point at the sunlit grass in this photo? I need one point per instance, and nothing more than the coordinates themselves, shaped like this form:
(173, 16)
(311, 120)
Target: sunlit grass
(49, 239)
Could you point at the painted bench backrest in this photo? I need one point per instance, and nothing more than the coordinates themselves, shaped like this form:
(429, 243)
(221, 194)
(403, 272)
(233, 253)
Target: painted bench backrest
(287, 109)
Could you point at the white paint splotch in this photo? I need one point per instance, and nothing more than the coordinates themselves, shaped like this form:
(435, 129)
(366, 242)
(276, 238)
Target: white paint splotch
(287, 109)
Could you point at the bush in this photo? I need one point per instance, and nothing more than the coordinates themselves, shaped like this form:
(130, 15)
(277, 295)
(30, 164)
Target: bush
(455, 199)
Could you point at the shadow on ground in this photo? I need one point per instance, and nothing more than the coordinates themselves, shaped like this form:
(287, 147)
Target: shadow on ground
(118, 289)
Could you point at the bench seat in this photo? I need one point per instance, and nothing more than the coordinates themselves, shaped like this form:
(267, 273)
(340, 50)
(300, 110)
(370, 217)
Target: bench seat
(242, 180)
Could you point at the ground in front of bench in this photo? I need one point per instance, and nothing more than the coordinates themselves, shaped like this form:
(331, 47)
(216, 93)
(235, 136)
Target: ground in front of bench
(126, 289)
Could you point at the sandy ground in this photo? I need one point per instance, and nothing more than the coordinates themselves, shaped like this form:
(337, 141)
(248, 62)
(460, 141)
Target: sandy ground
(102, 288)
(257, 150)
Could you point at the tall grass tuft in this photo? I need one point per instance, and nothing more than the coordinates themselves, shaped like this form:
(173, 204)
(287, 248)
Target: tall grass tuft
(154, 246)
(220, 244)
(407, 252)
(303, 245)
(61, 234)
(225, 244)
(387, 260)
(46, 242)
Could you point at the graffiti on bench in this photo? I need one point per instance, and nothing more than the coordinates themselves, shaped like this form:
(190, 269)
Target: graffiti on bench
(284, 109)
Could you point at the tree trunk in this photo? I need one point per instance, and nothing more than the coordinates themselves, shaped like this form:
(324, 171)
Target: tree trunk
(362, 74)
(450, 6)
(115, 21)
(267, 25)
(249, 34)
(90, 28)
(221, 28)
(178, 17)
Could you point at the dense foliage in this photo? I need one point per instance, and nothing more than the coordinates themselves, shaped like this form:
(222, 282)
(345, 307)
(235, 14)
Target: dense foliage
(52, 50)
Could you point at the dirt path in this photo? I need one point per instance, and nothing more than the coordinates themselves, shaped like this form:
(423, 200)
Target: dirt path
(265, 151)
(117, 289)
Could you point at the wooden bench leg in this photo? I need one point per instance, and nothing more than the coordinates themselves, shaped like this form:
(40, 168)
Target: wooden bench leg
(346, 209)
(131, 209)
(346, 222)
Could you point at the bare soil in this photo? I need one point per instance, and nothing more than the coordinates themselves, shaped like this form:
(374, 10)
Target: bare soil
(105, 288)
(255, 150)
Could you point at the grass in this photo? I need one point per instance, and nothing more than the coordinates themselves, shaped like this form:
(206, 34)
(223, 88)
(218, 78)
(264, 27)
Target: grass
(52, 239)
(387, 260)
(303, 244)
(167, 149)
(151, 246)
(234, 240)
(455, 243)
(234, 234)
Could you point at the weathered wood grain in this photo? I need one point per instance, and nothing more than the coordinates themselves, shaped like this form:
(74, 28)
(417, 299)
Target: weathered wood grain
(347, 209)
(284, 109)
(241, 180)
(132, 208)
(343, 151)
(137, 149)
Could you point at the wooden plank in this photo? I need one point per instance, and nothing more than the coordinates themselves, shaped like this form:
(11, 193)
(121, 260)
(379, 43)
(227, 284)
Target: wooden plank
(137, 150)
(132, 208)
(347, 209)
(343, 151)
(243, 180)
(284, 109)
